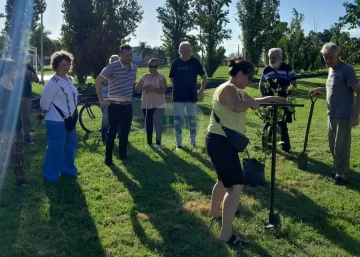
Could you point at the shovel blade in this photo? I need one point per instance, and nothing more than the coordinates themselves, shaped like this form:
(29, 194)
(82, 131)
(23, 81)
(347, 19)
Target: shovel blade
(303, 161)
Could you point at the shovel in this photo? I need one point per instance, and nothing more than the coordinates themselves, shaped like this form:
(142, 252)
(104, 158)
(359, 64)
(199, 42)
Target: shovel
(303, 157)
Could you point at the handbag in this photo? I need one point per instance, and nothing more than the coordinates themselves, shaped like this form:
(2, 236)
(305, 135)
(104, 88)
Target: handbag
(70, 122)
(235, 138)
(254, 172)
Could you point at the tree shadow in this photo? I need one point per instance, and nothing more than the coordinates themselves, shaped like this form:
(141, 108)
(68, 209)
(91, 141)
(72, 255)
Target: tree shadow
(158, 204)
(325, 170)
(289, 200)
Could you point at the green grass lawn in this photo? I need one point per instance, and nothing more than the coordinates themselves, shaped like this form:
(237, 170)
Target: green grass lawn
(156, 202)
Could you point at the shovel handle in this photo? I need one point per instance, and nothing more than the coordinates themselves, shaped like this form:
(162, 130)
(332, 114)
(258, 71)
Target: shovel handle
(314, 98)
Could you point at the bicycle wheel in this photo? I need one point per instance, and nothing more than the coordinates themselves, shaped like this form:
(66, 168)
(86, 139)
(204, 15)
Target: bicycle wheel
(90, 117)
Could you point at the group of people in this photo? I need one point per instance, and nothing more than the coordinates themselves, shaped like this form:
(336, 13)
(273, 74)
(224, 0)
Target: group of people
(230, 103)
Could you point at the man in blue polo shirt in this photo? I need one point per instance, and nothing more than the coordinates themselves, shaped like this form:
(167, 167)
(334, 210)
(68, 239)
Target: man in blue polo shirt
(276, 80)
(121, 77)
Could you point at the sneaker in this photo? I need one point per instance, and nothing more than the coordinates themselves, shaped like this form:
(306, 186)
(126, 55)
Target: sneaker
(157, 146)
(29, 141)
(333, 174)
(340, 181)
(32, 130)
(179, 147)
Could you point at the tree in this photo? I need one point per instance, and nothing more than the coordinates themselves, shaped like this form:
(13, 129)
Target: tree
(256, 18)
(352, 16)
(21, 18)
(4, 42)
(144, 50)
(79, 23)
(93, 31)
(177, 19)
(212, 19)
(48, 45)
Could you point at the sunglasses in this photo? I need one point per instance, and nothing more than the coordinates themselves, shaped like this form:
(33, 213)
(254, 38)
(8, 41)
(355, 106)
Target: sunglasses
(153, 66)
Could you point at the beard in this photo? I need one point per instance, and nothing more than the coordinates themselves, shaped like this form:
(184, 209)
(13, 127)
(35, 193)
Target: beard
(275, 64)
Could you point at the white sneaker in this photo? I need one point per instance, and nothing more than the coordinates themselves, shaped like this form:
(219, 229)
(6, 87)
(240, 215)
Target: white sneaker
(178, 147)
(157, 146)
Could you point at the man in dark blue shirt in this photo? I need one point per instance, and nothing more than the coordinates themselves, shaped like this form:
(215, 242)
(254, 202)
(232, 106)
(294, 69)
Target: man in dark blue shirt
(27, 76)
(278, 79)
(183, 74)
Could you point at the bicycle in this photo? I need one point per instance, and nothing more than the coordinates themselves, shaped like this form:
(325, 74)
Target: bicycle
(90, 114)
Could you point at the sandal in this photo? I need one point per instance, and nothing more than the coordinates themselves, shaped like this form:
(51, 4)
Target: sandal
(235, 240)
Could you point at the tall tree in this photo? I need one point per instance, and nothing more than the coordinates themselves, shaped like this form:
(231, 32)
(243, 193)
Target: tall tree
(21, 18)
(93, 31)
(212, 19)
(48, 45)
(352, 16)
(79, 23)
(252, 20)
(177, 19)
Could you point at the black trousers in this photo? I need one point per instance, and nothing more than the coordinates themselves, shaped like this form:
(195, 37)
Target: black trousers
(284, 134)
(120, 118)
(153, 119)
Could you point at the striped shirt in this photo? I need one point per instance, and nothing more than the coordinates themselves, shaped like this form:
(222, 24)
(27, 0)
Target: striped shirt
(121, 81)
(277, 81)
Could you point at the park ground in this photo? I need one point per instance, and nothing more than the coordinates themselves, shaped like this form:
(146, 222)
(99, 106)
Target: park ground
(156, 202)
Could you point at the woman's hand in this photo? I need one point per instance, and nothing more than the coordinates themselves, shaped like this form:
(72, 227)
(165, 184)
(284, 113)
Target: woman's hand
(255, 105)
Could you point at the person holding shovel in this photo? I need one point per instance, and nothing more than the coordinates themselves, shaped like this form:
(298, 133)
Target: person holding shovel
(230, 104)
(343, 108)
(278, 79)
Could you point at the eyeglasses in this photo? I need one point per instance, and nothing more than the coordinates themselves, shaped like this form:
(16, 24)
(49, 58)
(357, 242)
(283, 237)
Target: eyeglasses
(153, 66)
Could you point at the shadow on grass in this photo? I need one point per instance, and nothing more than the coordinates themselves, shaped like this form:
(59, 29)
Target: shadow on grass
(70, 223)
(158, 202)
(323, 169)
(294, 204)
(28, 228)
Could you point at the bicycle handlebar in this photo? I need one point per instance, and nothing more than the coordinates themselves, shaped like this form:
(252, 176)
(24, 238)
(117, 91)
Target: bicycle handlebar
(86, 89)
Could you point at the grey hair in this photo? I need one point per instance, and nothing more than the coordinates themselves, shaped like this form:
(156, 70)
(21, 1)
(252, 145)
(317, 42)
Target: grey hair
(330, 48)
(114, 58)
(184, 43)
(277, 51)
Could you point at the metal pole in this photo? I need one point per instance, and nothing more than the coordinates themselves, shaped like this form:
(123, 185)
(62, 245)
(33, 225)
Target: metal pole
(273, 163)
(42, 49)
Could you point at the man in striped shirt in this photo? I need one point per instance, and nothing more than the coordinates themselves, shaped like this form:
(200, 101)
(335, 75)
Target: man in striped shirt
(278, 79)
(121, 77)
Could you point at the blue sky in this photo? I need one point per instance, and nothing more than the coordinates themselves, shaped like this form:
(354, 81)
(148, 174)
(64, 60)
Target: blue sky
(323, 13)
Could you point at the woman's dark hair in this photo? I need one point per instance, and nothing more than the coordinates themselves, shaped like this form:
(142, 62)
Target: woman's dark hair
(241, 65)
(57, 57)
(6, 66)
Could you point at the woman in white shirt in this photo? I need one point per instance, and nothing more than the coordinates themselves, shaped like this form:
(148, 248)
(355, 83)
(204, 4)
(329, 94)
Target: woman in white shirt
(59, 100)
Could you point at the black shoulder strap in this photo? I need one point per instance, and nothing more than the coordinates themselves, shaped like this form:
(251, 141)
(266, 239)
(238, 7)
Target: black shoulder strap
(217, 119)
(59, 111)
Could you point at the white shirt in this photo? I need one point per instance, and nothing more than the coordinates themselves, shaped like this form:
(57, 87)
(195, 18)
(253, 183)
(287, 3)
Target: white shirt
(63, 94)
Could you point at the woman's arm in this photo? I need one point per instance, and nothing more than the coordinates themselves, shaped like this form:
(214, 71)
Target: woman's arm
(161, 90)
(266, 99)
(48, 95)
(230, 97)
(139, 86)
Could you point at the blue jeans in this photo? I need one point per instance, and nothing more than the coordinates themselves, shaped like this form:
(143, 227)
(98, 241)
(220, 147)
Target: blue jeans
(60, 151)
(179, 111)
(104, 122)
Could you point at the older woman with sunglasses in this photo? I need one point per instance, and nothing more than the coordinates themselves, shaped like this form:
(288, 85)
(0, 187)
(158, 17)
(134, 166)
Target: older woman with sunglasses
(153, 87)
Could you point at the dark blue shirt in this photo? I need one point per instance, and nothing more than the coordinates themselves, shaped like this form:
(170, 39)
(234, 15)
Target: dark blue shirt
(185, 75)
(10, 120)
(277, 81)
(25, 81)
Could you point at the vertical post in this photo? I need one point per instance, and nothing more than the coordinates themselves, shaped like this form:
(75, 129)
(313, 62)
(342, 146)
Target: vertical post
(36, 60)
(42, 48)
(238, 51)
(273, 164)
